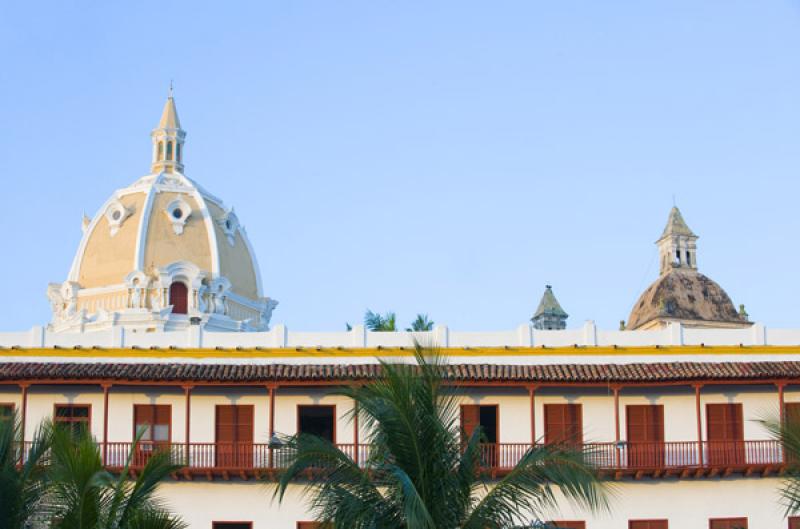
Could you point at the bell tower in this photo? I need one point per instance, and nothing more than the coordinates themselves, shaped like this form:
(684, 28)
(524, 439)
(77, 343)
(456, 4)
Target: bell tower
(168, 139)
(677, 246)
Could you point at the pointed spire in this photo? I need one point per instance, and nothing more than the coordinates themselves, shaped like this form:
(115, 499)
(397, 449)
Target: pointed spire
(549, 314)
(677, 244)
(676, 225)
(169, 117)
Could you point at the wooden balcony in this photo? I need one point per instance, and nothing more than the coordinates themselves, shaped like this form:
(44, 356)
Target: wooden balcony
(681, 459)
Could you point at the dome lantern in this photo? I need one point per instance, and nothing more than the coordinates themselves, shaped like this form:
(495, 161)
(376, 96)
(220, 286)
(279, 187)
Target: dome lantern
(677, 245)
(168, 139)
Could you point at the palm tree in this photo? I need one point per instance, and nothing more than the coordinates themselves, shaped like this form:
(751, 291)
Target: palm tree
(422, 323)
(375, 322)
(420, 473)
(22, 486)
(86, 496)
(788, 433)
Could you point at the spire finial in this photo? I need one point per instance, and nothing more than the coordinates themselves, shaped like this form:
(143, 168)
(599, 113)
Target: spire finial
(170, 89)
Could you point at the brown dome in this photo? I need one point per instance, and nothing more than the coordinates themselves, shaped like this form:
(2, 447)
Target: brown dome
(687, 296)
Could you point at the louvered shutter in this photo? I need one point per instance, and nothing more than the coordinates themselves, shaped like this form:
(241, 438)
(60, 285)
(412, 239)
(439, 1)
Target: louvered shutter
(645, 435)
(725, 427)
(563, 423)
(470, 419)
(792, 413)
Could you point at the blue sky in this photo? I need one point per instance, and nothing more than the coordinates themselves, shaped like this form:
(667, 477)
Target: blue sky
(449, 157)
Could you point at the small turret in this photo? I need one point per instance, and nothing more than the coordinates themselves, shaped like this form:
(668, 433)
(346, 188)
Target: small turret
(549, 315)
(168, 140)
(677, 245)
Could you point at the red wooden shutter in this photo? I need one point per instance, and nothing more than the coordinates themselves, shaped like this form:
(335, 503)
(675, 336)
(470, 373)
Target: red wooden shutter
(470, 419)
(569, 525)
(225, 423)
(794, 522)
(563, 423)
(234, 436)
(792, 413)
(728, 523)
(162, 414)
(244, 424)
(645, 435)
(648, 524)
(725, 434)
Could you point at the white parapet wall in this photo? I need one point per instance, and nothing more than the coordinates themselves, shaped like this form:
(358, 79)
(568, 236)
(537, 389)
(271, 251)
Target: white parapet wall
(523, 336)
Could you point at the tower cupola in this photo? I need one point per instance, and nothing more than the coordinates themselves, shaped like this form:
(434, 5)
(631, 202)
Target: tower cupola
(549, 315)
(677, 245)
(168, 139)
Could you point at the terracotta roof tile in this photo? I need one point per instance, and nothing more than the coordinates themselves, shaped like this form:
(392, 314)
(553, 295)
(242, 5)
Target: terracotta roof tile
(552, 373)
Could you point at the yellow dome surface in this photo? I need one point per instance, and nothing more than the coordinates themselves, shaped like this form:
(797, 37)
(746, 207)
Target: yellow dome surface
(162, 230)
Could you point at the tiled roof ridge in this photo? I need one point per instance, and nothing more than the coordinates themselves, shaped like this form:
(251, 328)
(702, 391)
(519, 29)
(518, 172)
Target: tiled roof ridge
(529, 373)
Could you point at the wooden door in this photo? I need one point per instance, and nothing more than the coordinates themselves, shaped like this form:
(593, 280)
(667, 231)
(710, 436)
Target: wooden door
(791, 416)
(234, 436)
(179, 298)
(728, 523)
(563, 423)
(153, 422)
(725, 434)
(648, 524)
(474, 415)
(645, 427)
(470, 420)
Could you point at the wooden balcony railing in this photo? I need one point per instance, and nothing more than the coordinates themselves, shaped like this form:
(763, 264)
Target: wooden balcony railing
(656, 458)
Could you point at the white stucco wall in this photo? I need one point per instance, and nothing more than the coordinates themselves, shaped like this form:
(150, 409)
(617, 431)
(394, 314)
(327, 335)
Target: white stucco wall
(687, 504)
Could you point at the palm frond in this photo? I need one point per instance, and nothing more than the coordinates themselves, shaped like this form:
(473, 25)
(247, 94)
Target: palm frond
(22, 488)
(377, 323)
(421, 324)
(788, 433)
(421, 472)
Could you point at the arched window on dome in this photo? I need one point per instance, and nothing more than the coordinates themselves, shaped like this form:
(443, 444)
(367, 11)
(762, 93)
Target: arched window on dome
(178, 151)
(169, 150)
(179, 298)
(160, 151)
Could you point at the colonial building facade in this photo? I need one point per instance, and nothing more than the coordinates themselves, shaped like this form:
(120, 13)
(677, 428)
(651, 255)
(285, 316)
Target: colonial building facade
(162, 326)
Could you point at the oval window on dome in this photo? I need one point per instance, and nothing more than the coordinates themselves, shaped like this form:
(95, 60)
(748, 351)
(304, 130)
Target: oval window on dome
(177, 213)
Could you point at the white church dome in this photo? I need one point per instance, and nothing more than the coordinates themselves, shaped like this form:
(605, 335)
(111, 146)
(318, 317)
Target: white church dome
(161, 254)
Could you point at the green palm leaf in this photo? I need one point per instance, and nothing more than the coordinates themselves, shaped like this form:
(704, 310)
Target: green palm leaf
(419, 473)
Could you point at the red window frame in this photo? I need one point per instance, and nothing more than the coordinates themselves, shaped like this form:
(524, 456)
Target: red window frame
(224, 524)
(794, 522)
(569, 524)
(72, 420)
(6, 406)
(727, 523)
(155, 408)
(648, 524)
(332, 406)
